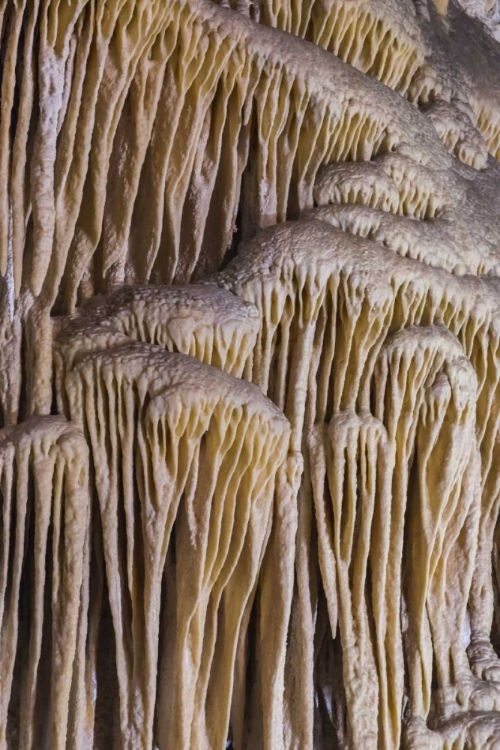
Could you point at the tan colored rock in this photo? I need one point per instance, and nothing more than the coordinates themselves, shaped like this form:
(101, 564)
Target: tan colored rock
(47, 681)
(328, 304)
(209, 324)
(174, 440)
(250, 251)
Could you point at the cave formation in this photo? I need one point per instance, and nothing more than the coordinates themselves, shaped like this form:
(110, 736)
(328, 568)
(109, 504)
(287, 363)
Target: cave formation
(249, 375)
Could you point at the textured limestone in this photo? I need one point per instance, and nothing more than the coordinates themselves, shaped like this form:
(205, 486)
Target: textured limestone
(46, 688)
(174, 439)
(328, 305)
(250, 264)
(209, 324)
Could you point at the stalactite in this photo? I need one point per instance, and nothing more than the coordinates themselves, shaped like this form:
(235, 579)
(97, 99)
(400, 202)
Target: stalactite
(46, 690)
(171, 440)
(249, 375)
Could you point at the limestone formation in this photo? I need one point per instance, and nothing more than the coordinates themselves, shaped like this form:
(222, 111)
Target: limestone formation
(176, 440)
(249, 375)
(46, 688)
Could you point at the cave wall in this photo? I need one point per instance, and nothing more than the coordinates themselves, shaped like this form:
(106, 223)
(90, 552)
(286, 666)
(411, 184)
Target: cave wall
(249, 375)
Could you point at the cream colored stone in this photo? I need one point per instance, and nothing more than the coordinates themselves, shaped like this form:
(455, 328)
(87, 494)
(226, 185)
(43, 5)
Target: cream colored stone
(249, 375)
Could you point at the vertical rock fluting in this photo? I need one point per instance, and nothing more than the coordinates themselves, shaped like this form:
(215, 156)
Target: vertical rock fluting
(329, 307)
(249, 375)
(44, 585)
(175, 440)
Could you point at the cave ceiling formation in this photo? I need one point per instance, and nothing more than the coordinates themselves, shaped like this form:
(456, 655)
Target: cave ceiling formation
(249, 375)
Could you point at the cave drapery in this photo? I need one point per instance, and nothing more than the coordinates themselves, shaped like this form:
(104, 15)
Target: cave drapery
(249, 375)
